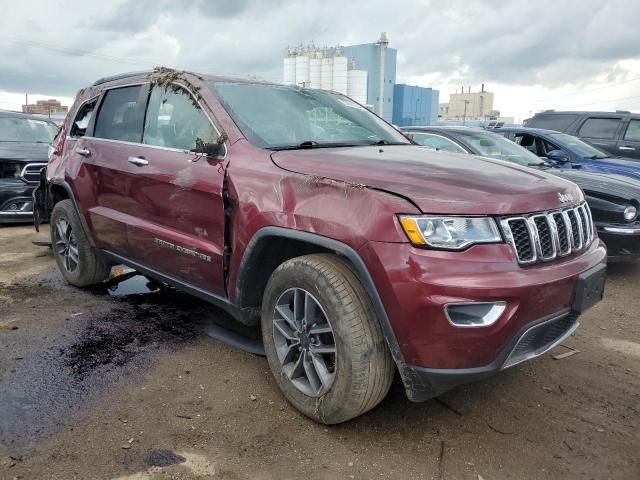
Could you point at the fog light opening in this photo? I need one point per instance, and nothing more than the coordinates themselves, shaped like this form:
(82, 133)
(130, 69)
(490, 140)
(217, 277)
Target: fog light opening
(475, 314)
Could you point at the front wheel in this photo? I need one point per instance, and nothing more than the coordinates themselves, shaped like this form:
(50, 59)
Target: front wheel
(323, 342)
(77, 260)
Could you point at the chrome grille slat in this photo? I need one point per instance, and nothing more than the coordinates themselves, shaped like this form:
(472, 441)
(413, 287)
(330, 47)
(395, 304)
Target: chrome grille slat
(545, 236)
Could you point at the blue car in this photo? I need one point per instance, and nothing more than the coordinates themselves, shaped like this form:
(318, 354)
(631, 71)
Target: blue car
(567, 151)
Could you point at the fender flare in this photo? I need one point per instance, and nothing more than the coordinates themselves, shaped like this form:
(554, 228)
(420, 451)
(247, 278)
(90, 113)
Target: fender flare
(72, 197)
(348, 252)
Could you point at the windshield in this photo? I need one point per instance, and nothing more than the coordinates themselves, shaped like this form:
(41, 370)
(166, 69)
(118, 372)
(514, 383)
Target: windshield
(15, 129)
(283, 116)
(496, 146)
(581, 148)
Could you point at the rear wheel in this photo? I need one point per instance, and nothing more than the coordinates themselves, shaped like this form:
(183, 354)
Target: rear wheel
(323, 343)
(77, 260)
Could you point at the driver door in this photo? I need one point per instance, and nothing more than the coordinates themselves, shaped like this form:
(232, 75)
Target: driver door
(173, 196)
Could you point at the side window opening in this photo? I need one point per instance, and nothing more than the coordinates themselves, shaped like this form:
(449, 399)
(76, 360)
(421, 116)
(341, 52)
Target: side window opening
(83, 117)
(175, 120)
(528, 142)
(633, 131)
(604, 128)
(121, 115)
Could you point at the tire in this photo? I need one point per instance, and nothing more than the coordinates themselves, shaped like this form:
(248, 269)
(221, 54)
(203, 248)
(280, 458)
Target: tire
(363, 368)
(77, 260)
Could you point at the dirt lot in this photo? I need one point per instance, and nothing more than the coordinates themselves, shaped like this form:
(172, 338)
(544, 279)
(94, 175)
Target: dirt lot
(101, 384)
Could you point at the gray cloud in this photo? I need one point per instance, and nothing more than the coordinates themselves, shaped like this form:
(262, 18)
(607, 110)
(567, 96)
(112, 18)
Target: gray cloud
(519, 42)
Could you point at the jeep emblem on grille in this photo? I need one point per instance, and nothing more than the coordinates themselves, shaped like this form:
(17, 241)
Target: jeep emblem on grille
(565, 197)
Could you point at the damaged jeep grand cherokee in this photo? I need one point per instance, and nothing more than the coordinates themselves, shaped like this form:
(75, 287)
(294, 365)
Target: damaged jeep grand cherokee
(302, 213)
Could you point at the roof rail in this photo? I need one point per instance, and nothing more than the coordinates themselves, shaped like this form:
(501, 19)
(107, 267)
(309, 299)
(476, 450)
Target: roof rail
(623, 111)
(120, 77)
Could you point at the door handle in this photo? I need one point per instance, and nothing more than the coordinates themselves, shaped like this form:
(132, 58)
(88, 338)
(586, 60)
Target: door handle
(85, 152)
(626, 148)
(141, 162)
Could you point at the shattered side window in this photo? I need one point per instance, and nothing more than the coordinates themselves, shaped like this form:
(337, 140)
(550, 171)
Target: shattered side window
(175, 120)
(83, 117)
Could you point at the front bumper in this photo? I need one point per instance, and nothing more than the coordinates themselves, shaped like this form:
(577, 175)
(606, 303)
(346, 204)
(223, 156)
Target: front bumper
(623, 242)
(415, 286)
(532, 341)
(16, 204)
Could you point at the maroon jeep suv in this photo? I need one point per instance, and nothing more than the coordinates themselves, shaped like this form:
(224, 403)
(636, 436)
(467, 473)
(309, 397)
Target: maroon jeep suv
(302, 213)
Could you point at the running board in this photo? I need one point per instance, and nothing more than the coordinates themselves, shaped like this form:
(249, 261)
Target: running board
(235, 340)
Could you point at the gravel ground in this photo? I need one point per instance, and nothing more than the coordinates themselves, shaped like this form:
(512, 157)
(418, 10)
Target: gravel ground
(101, 384)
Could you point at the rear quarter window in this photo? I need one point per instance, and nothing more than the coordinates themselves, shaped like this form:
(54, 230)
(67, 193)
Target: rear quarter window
(555, 121)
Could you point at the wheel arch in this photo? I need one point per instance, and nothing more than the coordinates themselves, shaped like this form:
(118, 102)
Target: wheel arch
(59, 191)
(256, 266)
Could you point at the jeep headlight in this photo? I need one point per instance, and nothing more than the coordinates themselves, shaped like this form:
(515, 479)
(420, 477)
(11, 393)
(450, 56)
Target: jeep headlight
(450, 233)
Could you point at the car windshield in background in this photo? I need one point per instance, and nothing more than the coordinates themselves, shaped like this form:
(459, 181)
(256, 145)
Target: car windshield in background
(496, 146)
(14, 129)
(581, 148)
(287, 117)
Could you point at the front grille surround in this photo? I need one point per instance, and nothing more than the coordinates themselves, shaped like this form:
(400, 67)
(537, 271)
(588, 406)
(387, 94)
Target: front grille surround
(545, 236)
(31, 172)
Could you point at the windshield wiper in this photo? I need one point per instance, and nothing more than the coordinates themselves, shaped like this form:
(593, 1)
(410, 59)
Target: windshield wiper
(597, 157)
(313, 144)
(385, 142)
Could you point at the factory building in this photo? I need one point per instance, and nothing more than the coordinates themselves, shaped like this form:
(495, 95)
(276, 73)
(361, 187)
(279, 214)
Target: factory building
(366, 73)
(468, 105)
(379, 61)
(415, 105)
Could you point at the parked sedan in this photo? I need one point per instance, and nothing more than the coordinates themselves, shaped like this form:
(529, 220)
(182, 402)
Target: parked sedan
(614, 199)
(567, 151)
(24, 141)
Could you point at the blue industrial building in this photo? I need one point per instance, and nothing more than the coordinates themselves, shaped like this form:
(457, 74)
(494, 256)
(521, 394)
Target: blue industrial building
(369, 57)
(415, 105)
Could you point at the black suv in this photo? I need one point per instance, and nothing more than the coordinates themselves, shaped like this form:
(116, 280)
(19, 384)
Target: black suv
(616, 132)
(24, 141)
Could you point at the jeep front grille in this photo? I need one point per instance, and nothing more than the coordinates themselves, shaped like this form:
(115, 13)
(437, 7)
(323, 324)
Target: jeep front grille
(541, 237)
(31, 172)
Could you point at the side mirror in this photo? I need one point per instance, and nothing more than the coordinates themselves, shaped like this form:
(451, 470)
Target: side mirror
(210, 149)
(557, 156)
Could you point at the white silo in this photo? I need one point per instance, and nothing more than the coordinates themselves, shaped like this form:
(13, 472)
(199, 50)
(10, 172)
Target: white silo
(326, 71)
(289, 76)
(302, 68)
(315, 71)
(340, 64)
(357, 85)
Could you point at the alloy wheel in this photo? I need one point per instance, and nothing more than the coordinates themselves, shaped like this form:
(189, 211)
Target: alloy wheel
(65, 245)
(304, 342)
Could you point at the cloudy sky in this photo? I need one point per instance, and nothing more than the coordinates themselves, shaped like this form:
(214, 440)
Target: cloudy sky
(582, 54)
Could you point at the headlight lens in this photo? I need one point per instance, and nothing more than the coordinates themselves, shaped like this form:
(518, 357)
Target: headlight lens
(630, 213)
(451, 233)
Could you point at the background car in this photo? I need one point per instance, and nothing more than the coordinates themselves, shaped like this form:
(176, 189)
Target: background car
(568, 151)
(24, 141)
(615, 132)
(613, 199)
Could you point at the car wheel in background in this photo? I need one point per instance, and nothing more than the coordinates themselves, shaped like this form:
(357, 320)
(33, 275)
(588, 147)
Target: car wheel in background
(77, 260)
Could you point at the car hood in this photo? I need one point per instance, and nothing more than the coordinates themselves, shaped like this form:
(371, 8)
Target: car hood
(23, 152)
(436, 182)
(606, 184)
